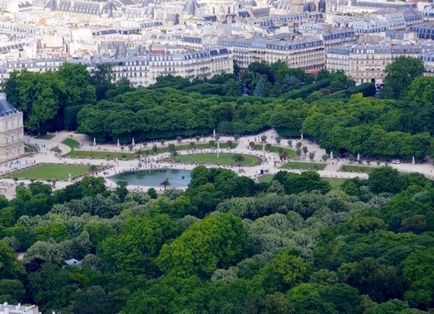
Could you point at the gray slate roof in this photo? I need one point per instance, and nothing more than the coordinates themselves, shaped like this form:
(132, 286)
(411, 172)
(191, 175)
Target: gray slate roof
(5, 107)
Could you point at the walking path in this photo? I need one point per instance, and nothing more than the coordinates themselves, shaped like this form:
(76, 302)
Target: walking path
(270, 161)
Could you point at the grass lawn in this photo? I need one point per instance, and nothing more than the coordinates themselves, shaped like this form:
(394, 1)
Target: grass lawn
(45, 137)
(129, 155)
(165, 149)
(275, 149)
(50, 171)
(304, 165)
(267, 178)
(71, 143)
(211, 158)
(358, 169)
(334, 182)
(100, 154)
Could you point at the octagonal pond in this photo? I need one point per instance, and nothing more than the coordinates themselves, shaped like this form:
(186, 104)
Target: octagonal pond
(154, 177)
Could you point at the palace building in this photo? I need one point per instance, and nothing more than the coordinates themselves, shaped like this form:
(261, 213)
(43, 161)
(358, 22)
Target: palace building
(11, 130)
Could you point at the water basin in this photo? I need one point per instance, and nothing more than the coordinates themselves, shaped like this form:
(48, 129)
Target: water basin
(154, 177)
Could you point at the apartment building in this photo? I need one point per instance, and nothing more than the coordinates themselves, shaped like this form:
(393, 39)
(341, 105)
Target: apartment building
(428, 61)
(303, 53)
(144, 70)
(141, 69)
(367, 62)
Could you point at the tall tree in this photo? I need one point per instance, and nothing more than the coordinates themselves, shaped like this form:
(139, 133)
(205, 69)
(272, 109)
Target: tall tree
(78, 83)
(102, 78)
(399, 75)
(217, 241)
(9, 265)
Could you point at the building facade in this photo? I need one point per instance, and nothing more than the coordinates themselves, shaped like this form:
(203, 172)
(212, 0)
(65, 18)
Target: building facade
(306, 53)
(366, 63)
(142, 69)
(6, 308)
(11, 130)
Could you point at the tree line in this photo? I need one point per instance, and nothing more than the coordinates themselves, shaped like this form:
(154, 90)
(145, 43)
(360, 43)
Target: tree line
(327, 108)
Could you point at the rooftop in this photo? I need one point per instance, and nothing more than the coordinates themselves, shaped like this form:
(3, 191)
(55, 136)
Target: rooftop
(5, 107)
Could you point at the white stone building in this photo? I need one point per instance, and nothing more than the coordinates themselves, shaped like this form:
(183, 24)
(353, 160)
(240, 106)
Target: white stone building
(144, 68)
(366, 63)
(11, 131)
(304, 53)
(6, 308)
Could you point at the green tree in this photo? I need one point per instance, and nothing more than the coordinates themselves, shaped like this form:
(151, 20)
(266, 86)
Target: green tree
(12, 291)
(418, 274)
(217, 241)
(92, 300)
(260, 87)
(51, 287)
(79, 89)
(399, 75)
(233, 88)
(239, 159)
(92, 186)
(385, 179)
(165, 183)
(10, 268)
(152, 193)
(393, 306)
(45, 252)
(102, 78)
(282, 272)
(135, 248)
(44, 97)
(121, 190)
(380, 282)
(306, 181)
(309, 298)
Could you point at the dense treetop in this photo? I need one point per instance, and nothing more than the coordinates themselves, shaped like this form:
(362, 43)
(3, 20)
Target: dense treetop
(226, 245)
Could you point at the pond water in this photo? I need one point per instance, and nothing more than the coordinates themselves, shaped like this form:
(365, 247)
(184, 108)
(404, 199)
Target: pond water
(154, 177)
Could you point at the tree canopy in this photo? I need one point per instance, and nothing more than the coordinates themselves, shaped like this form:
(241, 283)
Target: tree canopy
(225, 245)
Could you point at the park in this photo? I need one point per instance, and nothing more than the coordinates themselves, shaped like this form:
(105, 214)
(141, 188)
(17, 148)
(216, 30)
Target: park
(198, 199)
(65, 157)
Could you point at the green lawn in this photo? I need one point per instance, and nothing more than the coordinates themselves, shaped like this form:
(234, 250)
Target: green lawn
(145, 152)
(165, 149)
(211, 158)
(100, 154)
(50, 171)
(45, 137)
(335, 183)
(267, 178)
(358, 169)
(275, 149)
(71, 143)
(304, 165)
